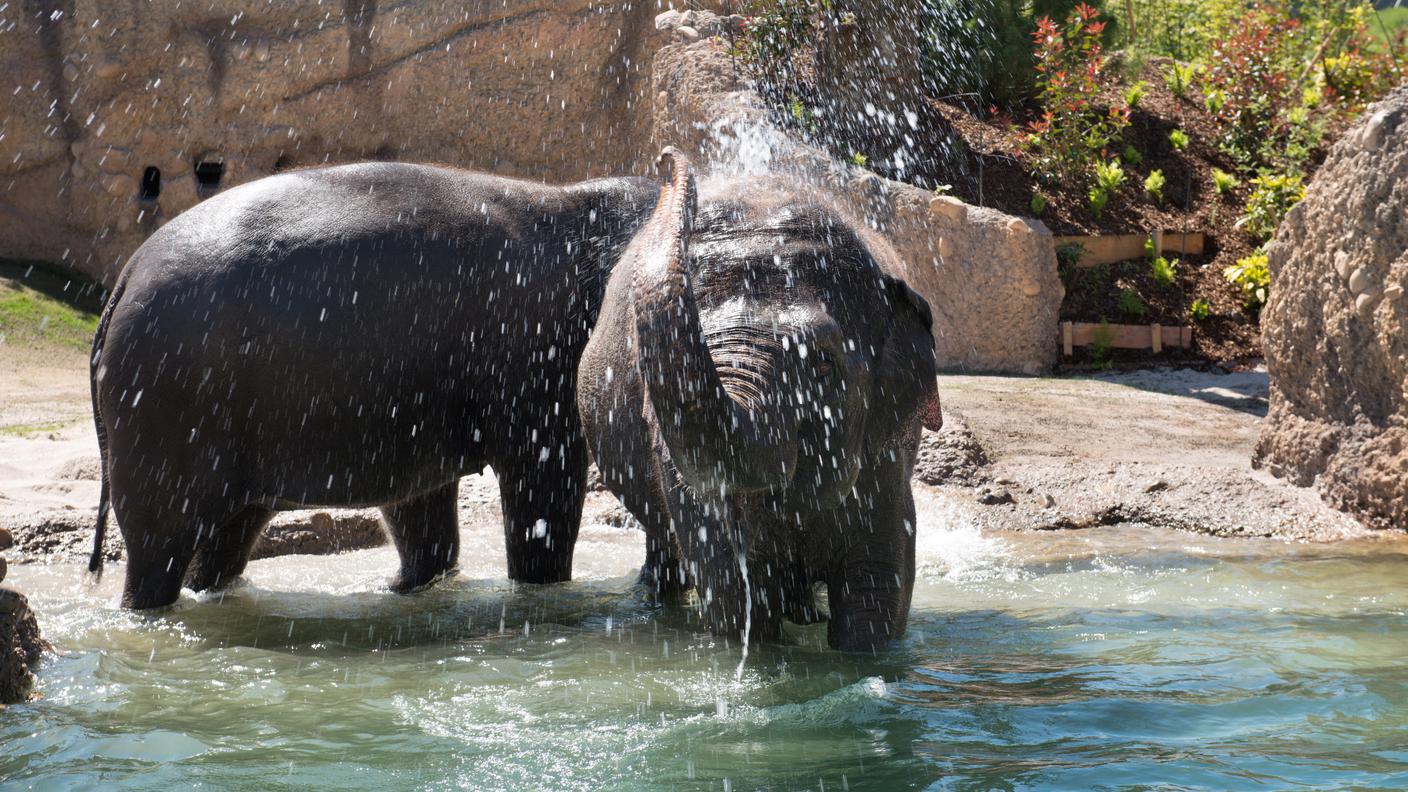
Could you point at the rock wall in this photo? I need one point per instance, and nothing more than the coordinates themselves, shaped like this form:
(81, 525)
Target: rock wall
(990, 278)
(1336, 326)
(98, 96)
(99, 99)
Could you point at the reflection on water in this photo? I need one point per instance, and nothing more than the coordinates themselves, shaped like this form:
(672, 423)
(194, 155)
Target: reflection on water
(1106, 658)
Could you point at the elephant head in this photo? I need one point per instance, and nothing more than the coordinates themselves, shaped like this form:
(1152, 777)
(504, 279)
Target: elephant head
(783, 375)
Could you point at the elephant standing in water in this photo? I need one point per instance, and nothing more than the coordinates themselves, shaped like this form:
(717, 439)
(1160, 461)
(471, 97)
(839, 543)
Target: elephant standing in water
(752, 391)
(353, 336)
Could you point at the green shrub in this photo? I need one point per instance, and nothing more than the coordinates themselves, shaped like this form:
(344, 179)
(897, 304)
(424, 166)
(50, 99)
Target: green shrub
(1179, 78)
(1102, 342)
(1272, 196)
(1253, 277)
(1163, 271)
(1038, 205)
(1130, 303)
(1069, 253)
(1135, 93)
(1200, 311)
(1109, 177)
(1178, 139)
(1223, 182)
(1154, 185)
(1072, 132)
(1131, 156)
(858, 159)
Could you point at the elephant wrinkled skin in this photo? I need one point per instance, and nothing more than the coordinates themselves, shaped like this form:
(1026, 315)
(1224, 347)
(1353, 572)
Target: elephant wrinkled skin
(753, 392)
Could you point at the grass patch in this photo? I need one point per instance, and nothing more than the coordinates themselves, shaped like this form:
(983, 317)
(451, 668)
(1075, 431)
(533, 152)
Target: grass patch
(41, 305)
(31, 429)
(1394, 19)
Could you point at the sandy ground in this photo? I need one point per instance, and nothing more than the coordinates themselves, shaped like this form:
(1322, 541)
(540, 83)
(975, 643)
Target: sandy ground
(1164, 448)
(1169, 448)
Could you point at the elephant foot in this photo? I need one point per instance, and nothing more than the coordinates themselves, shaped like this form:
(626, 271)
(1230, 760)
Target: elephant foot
(408, 583)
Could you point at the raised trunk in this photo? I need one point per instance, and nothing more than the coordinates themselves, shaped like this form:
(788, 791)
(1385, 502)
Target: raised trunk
(718, 440)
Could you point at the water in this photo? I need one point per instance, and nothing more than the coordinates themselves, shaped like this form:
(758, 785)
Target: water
(1109, 658)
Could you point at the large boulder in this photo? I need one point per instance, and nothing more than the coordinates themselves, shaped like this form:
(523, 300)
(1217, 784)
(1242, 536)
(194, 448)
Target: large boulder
(1336, 326)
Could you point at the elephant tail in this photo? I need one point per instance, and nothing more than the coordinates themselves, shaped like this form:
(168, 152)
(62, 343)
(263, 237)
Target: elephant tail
(95, 561)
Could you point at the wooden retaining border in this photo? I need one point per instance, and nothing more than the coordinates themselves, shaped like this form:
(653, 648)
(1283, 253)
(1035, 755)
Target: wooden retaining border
(1110, 248)
(1124, 336)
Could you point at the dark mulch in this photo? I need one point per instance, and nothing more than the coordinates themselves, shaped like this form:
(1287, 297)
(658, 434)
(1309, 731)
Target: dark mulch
(990, 171)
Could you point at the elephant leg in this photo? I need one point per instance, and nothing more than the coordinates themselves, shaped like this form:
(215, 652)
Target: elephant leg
(222, 556)
(160, 543)
(425, 530)
(726, 586)
(542, 506)
(870, 587)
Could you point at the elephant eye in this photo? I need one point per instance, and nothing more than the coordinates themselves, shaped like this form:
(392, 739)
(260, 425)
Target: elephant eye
(823, 366)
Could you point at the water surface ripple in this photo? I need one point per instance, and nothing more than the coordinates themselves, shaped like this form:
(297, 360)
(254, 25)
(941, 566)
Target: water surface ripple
(1112, 658)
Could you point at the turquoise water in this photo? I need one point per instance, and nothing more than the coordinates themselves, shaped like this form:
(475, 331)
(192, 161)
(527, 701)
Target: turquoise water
(1111, 658)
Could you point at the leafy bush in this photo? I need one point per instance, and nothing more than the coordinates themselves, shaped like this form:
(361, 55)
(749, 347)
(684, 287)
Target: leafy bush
(1163, 271)
(1222, 181)
(1179, 78)
(1038, 205)
(1272, 196)
(1253, 277)
(1178, 139)
(1200, 311)
(1135, 94)
(1072, 132)
(1154, 185)
(1102, 342)
(1130, 303)
(1131, 156)
(1109, 177)
(1069, 253)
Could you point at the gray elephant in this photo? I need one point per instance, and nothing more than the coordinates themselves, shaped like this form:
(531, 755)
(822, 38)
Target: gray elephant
(353, 336)
(753, 392)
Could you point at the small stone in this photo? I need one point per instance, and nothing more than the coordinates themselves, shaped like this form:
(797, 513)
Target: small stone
(7, 539)
(1365, 303)
(1031, 288)
(1393, 293)
(261, 51)
(1343, 263)
(948, 207)
(1047, 501)
(687, 33)
(1018, 226)
(1359, 281)
(989, 496)
(1158, 485)
(668, 20)
(12, 602)
(70, 72)
(107, 69)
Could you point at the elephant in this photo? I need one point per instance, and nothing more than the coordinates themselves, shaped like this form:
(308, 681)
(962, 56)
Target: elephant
(353, 336)
(754, 392)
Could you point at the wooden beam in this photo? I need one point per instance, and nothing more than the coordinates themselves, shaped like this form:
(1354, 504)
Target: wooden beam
(1110, 248)
(1067, 339)
(1123, 336)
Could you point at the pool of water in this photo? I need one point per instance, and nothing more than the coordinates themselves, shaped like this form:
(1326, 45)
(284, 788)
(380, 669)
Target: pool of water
(1110, 658)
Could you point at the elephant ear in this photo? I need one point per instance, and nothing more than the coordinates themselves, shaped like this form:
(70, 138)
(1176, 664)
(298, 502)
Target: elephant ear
(907, 380)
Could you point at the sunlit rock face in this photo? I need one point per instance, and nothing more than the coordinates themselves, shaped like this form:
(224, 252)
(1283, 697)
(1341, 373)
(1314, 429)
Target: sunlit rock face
(1336, 326)
(100, 98)
(989, 277)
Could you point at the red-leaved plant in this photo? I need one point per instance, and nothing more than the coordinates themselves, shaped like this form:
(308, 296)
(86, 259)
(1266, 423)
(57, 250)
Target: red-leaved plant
(1250, 71)
(1074, 132)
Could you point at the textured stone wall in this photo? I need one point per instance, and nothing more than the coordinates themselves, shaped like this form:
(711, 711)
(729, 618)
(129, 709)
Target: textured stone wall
(1336, 326)
(95, 92)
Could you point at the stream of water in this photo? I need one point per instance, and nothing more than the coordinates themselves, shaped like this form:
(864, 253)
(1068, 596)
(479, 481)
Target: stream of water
(1109, 658)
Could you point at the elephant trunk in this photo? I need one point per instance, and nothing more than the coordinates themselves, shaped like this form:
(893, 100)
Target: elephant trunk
(721, 437)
